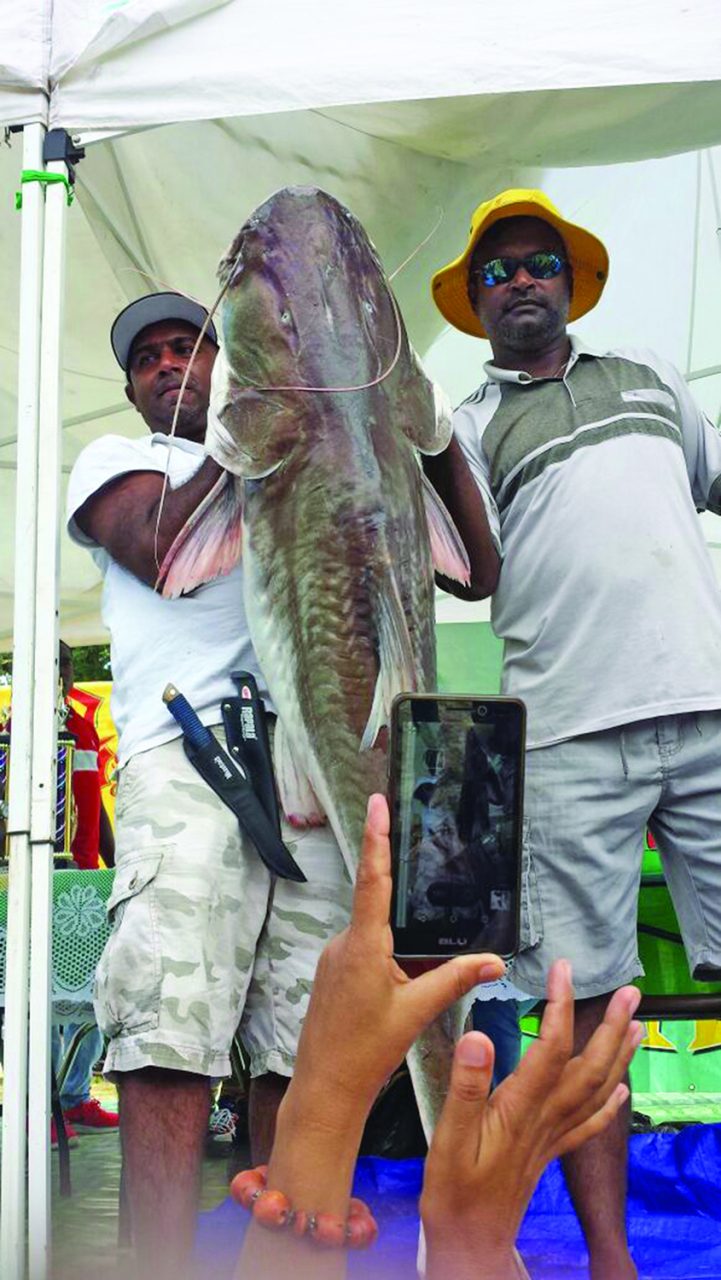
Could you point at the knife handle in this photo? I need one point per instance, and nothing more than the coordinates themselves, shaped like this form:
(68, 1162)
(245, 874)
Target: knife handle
(190, 723)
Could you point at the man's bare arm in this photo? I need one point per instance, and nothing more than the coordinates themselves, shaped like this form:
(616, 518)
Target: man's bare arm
(451, 477)
(122, 516)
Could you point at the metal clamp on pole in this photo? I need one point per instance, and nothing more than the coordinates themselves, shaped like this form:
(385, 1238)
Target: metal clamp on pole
(58, 146)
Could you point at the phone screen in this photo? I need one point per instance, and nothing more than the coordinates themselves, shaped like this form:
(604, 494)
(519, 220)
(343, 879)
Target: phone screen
(456, 788)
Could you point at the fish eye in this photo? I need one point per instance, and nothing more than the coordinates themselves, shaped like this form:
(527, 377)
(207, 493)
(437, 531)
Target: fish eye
(285, 316)
(368, 306)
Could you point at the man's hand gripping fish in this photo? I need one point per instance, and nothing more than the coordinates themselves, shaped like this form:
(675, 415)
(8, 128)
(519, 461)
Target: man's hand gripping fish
(319, 407)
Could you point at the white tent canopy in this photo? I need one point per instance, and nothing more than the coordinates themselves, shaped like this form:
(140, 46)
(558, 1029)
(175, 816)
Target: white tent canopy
(127, 64)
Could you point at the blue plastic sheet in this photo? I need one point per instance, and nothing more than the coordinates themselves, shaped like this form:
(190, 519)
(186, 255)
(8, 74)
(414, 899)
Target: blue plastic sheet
(674, 1216)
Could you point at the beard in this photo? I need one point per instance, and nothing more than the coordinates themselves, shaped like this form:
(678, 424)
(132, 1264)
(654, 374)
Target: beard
(531, 331)
(191, 414)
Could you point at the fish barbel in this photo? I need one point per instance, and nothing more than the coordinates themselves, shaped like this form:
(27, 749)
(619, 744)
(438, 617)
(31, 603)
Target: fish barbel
(319, 409)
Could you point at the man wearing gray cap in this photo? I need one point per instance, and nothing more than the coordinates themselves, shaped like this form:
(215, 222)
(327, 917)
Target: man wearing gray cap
(203, 937)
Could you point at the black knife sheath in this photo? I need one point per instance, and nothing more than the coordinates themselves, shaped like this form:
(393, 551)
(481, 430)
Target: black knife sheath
(246, 732)
(223, 774)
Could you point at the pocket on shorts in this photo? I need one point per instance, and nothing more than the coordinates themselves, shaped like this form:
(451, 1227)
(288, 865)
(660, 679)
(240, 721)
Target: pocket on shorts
(127, 980)
(531, 930)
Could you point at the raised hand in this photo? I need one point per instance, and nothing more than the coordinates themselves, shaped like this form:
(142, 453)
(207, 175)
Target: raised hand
(363, 1016)
(488, 1153)
(365, 1012)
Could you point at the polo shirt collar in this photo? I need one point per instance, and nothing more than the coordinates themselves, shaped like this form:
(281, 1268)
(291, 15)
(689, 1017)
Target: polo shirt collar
(578, 348)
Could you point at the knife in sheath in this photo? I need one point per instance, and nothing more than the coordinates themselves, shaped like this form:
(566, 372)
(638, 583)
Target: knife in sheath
(231, 783)
(246, 733)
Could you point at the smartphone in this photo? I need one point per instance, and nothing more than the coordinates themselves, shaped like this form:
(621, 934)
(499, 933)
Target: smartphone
(456, 794)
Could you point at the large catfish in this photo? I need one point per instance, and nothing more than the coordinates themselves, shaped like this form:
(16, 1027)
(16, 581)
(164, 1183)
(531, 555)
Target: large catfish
(320, 407)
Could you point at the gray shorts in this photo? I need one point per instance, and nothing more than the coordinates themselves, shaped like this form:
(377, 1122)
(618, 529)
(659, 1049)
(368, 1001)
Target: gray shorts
(203, 939)
(587, 803)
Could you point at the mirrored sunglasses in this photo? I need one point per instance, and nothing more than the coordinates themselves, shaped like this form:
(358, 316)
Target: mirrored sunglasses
(541, 265)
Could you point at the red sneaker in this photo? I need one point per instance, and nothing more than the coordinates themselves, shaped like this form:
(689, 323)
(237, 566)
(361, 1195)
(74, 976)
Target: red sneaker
(90, 1115)
(70, 1134)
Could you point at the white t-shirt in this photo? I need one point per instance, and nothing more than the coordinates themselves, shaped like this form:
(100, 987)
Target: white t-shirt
(193, 642)
(607, 599)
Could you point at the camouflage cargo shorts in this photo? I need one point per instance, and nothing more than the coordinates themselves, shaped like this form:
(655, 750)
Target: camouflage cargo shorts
(204, 940)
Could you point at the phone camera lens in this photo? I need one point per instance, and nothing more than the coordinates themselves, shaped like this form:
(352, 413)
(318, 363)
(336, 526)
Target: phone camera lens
(479, 713)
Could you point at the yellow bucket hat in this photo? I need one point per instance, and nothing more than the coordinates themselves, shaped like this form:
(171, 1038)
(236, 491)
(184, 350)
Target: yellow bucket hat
(586, 253)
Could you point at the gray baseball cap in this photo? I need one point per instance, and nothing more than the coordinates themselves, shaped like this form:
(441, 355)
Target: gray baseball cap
(152, 309)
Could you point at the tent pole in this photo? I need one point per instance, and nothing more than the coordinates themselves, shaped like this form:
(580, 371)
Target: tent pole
(14, 1138)
(694, 270)
(43, 800)
(715, 195)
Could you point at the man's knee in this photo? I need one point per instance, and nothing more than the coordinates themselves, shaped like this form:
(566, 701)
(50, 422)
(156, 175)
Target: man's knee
(161, 1079)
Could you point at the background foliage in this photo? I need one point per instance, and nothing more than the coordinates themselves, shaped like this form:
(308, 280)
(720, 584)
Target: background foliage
(91, 662)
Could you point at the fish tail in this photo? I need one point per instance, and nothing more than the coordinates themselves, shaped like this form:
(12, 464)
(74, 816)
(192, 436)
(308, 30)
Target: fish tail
(430, 1060)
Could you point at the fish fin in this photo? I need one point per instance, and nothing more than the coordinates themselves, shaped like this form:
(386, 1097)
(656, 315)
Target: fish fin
(397, 668)
(426, 418)
(250, 433)
(447, 547)
(297, 798)
(209, 542)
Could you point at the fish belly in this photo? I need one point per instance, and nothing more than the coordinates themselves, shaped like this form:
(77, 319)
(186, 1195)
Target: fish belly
(316, 649)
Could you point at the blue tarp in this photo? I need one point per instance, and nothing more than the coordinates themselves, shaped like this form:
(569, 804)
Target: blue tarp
(674, 1216)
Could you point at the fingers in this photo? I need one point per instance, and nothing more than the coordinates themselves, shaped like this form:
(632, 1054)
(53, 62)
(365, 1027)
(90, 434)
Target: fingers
(440, 987)
(595, 1124)
(458, 1129)
(622, 1006)
(596, 1078)
(557, 1022)
(372, 894)
(591, 1080)
(614, 1042)
(542, 1066)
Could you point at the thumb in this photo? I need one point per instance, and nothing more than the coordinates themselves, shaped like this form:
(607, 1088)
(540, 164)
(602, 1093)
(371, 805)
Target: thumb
(457, 1133)
(439, 988)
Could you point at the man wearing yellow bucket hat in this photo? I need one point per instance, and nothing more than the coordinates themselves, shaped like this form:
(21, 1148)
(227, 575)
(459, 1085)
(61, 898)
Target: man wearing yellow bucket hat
(575, 476)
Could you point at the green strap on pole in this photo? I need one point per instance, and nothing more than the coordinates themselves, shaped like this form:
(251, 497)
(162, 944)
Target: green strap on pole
(41, 175)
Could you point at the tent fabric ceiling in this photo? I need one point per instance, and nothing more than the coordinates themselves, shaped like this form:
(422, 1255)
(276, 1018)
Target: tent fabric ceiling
(86, 65)
(145, 62)
(24, 59)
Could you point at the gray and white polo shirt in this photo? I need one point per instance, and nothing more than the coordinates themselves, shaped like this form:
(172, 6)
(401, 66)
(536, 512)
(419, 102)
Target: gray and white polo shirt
(607, 600)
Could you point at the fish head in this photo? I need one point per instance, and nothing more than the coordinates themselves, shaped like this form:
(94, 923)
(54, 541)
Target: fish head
(303, 278)
(306, 306)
